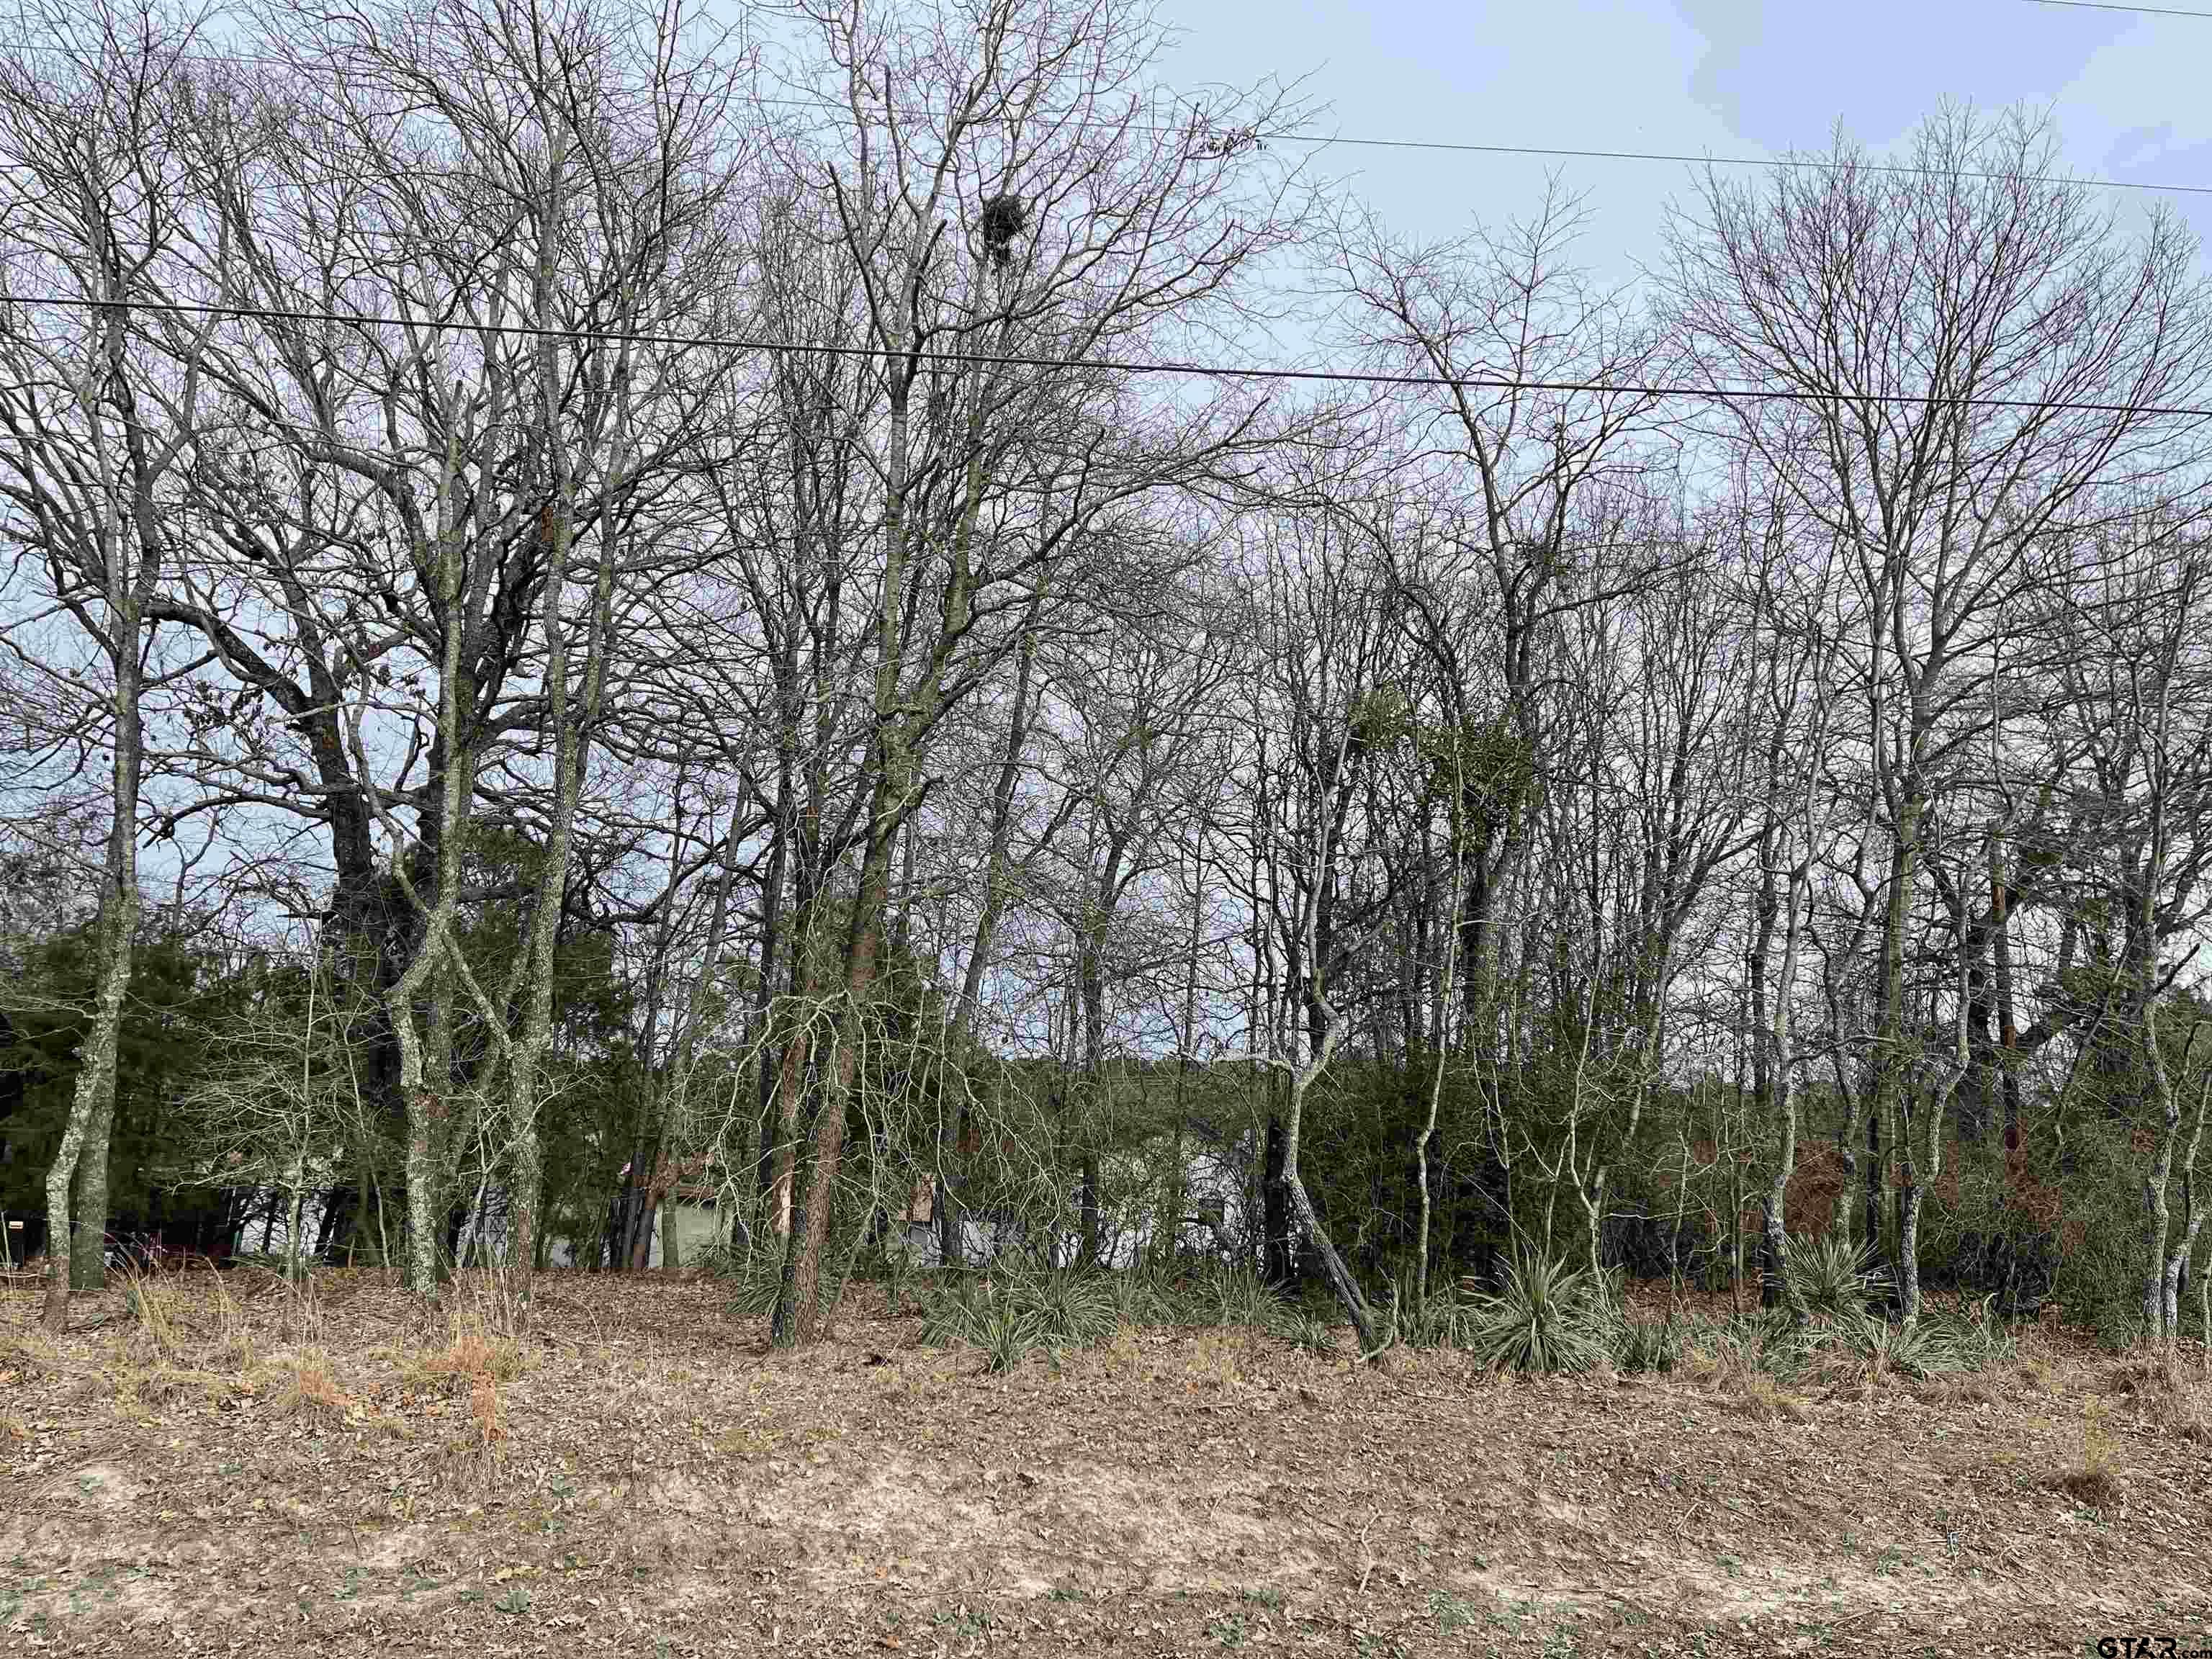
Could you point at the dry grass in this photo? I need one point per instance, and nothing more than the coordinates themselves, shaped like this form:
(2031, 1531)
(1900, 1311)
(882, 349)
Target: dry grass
(1974, 1388)
(486, 1426)
(308, 1386)
(2169, 1396)
(27, 1354)
(1124, 1353)
(644, 1464)
(2092, 1479)
(1759, 1397)
(193, 1321)
(149, 1386)
(470, 1353)
(470, 1356)
(302, 1321)
(2036, 1373)
(1215, 1360)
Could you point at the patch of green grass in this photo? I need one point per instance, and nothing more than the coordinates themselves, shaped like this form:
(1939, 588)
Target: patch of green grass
(1451, 1612)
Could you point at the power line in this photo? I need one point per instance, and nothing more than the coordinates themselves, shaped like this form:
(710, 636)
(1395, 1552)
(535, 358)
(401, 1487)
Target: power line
(1453, 147)
(1206, 371)
(2113, 5)
(1560, 152)
(1793, 162)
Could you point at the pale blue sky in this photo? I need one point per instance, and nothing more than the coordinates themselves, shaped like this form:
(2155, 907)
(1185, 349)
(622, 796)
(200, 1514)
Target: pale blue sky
(1701, 76)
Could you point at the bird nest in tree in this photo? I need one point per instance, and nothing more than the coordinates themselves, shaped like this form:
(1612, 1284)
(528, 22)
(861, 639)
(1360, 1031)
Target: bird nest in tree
(1004, 219)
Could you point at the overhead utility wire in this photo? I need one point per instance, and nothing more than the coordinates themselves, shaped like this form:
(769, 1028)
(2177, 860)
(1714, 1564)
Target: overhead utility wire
(2114, 5)
(1207, 371)
(1447, 146)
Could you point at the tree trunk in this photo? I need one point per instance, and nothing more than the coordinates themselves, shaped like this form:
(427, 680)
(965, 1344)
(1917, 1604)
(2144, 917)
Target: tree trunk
(1093, 1231)
(88, 1255)
(92, 1100)
(1276, 1262)
(1889, 1053)
(1348, 1294)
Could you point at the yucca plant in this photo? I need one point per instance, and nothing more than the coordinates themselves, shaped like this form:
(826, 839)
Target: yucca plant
(1923, 1347)
(1971, 1334)
(1546, 1317)
(1303, 1331)
(1141, 1299)
(1008, 1336)
(1941, 1341)
(1424, 1321)
(1644, 1346)
(955, 1315)
(1070, 1310)
(1830, 1275)
(755, 1282)
(1240, 1297)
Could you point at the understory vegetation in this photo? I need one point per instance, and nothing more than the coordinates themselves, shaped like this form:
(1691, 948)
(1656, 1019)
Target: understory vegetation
(634, 642)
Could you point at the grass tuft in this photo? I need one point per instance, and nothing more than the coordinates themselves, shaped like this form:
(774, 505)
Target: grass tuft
(2092, 1480)
(310, 1389)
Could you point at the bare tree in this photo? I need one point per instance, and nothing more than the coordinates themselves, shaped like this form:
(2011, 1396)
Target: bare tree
(1972, 351)
(102, 398)
(1001, 193)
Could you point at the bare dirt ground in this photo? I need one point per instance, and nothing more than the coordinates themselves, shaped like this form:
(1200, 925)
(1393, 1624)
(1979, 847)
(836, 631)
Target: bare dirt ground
(223, 1469)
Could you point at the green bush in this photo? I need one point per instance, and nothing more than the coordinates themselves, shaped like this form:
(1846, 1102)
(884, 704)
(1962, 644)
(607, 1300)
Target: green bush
(1007, 1315)
(754, 1280)
(1072, 1310)
(1546, 1317)
(1232, 1296)
(1303, 1331)
(1645, 1345)
(1831, 1276)
(2100, 1278)
(1968, 1337)
(1431, 1321)
(956, 1313)
(1919, 1349)
(1009, 1336)
(1142, 1298)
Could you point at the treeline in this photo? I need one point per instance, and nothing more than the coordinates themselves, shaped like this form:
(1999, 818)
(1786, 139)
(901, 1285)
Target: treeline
(599, 608)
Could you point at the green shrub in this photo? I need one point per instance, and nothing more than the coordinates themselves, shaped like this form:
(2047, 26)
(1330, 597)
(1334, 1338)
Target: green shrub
(956, 1315)
(1831, 1276)
(2099, 1278)
(1431, 1321)
(1070, 1309)
(1140, 1298)
(1917, 1349)
(1238, 1296)
(719, 1260)
(1008, 1314)
(1647, 1345)
(1546, 1317)
(1009, 1336)
(753, 1283)
(1967, 1338)
(1771, 1342)
(1303, 1331)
